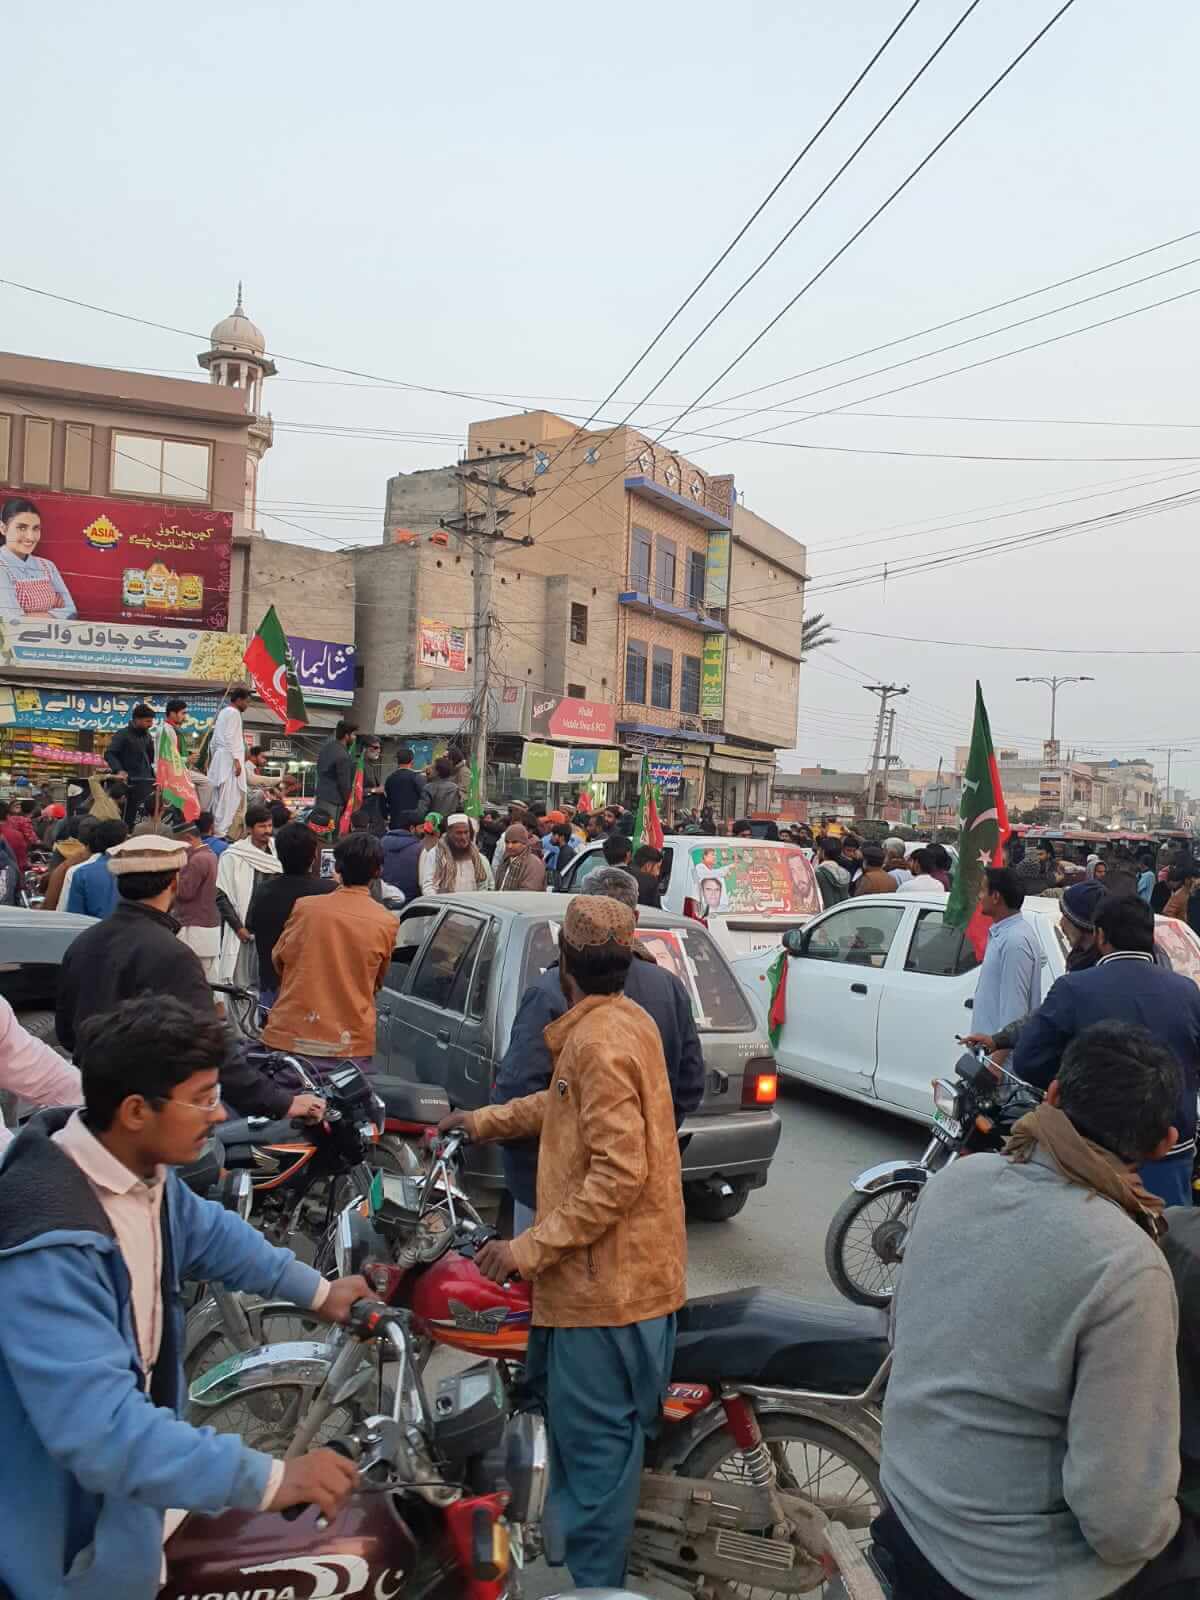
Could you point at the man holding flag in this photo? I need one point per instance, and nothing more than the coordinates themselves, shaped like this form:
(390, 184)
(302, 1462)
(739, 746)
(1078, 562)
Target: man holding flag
(175, 784)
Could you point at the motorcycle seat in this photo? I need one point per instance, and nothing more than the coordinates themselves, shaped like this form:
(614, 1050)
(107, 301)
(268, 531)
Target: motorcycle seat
(251, 1130)
(407, 1101)
(762, 1336)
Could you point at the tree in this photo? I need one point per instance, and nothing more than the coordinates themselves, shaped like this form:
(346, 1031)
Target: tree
(815, 634)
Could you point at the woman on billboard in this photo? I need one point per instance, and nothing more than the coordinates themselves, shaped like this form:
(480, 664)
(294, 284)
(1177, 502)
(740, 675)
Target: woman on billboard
(31, 588)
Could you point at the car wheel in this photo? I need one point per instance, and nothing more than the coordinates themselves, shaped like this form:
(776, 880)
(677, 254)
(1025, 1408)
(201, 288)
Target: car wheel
(706, 1205)
(865, 1243)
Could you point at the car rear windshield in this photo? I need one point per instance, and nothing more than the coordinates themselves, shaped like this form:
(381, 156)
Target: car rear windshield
(752, 878)
(718, 1004)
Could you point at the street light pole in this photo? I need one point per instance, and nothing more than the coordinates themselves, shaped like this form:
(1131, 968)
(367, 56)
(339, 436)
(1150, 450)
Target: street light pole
(1054, 684)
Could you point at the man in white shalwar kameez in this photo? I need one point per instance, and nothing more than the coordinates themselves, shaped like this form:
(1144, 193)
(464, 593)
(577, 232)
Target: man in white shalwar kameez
(227, 761)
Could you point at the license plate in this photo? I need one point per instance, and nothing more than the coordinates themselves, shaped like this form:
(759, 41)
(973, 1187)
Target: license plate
(947, 1128)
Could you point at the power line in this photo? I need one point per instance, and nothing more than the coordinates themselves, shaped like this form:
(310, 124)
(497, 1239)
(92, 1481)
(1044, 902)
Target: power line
(740, 235)
(878, 211)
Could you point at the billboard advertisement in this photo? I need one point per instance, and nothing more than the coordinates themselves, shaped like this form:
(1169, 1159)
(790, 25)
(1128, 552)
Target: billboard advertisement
(441, 646)
(120, 561)
(445, 711)
(558, 717)
(712, 676)
(325, 670)
(101, 711)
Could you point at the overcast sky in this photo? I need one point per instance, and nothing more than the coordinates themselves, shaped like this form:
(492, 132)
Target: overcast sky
(511, 201)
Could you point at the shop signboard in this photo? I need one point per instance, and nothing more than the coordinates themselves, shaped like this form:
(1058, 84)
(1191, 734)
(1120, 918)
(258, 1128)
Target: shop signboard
(136, 560)
(441, 646)
(667, 776)
(101, 711)
(716, 569)
(580, 721)
(325, 670)
(712, 676)
(445, 711)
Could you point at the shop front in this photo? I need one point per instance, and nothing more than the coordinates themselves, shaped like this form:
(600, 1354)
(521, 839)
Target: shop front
(678, 765)
(739, 781)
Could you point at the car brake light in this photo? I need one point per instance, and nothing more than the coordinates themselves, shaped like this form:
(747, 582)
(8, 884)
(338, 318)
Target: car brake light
(692, 908)
(760, 1085)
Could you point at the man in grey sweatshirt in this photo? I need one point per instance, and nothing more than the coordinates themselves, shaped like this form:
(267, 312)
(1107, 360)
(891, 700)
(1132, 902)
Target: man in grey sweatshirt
(1031, 1426)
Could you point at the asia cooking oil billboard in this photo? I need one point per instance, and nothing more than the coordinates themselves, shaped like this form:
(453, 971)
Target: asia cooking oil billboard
(115, 561)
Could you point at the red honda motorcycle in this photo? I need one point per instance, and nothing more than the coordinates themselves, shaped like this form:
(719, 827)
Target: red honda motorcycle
(776, 1396)
(438, 1492)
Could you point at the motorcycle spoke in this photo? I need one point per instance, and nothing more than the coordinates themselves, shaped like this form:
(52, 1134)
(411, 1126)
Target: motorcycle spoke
(863, 1264)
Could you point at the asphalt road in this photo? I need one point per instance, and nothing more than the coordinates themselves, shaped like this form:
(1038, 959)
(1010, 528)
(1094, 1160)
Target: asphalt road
(779, 1238)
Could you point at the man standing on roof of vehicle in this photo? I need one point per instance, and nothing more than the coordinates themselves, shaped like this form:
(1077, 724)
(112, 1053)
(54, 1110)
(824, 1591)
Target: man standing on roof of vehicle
(607, 1254)
(227, 761)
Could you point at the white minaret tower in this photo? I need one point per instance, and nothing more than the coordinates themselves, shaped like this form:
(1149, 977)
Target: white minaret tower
(237, 359)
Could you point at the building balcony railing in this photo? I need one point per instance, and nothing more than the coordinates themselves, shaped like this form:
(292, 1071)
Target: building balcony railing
(647, 594)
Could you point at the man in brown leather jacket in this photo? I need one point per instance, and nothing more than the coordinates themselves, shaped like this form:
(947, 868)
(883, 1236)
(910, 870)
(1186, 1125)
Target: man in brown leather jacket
(607, 1253)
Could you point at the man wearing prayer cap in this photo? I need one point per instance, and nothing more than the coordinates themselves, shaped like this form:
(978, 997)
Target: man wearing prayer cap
(607, 1253)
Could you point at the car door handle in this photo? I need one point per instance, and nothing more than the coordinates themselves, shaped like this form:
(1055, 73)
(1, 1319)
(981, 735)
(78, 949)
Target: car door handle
(858, 988)
(970, 1004)
(443, 1036)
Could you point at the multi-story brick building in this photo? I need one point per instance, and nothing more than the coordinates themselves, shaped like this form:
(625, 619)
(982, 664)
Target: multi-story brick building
(631, 578)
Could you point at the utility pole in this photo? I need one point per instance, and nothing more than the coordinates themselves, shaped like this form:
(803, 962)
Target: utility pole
(937, 804)
(482, 532)
(1168, 750)
(1054, 684)
(886, 692)
(888, 758)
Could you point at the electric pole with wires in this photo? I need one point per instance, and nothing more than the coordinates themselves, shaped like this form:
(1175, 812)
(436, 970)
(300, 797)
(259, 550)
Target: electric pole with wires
(886, 692)
(482, 530)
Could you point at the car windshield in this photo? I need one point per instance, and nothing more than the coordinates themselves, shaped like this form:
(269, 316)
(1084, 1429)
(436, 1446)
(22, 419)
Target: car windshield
(749, 877)
(718, 1004)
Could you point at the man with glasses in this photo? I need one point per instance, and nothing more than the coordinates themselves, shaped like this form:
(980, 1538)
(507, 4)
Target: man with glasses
(97, 1465)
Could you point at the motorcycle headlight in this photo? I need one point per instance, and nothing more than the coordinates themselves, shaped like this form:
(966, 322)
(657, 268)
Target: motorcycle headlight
(945, 1097)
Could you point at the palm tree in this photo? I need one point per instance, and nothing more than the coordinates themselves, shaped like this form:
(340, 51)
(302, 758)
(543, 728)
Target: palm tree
(815, 634)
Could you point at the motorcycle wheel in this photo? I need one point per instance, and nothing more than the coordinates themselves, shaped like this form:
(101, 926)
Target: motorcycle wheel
(865, 1243)
(278, 1327)
(267, 1419)
(811, 1459)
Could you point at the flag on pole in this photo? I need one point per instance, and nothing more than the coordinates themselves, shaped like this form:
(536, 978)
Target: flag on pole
(356, 792)
(269, 663)
(474, 803)
(175, 785)
(777, 1008)
(983, 831)
(647, 829)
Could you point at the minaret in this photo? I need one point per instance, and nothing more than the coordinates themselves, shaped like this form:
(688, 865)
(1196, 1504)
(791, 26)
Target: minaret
(237, 359)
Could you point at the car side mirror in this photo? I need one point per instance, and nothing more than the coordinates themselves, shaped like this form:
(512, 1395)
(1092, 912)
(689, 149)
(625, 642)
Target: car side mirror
(795, 941)
(403, 954)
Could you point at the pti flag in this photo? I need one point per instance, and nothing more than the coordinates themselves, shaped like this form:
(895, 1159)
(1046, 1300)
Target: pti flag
(357, 786)
(269, 662)
(175, 785)
(647, 829)
(983, 831)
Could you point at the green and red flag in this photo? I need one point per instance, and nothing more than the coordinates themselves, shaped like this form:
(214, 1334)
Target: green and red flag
(269, 663)
(175, 786)
(983, 831)
(357, 789)
(647, 829)
(777, 1008)
(474, 802)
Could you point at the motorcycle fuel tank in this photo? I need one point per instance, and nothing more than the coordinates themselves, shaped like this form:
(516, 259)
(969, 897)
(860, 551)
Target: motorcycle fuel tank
(367, 1551)
(461, 1307)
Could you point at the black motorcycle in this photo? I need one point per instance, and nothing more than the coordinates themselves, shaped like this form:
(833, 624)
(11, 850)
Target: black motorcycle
(974, 1111)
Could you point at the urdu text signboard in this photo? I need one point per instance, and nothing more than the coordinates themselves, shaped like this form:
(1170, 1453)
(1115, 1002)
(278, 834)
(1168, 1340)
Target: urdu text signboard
(712, 676)
(130, 561)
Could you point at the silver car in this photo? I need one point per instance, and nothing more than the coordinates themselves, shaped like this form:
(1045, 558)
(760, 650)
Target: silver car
(460, 967)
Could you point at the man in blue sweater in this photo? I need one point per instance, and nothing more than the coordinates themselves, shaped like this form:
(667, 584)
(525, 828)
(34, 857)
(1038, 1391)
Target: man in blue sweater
(1125, 985)
(93, 890)
(527, 1068)
(96, 1235)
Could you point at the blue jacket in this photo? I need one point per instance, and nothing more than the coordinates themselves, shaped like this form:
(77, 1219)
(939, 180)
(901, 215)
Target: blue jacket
(1124, 987)
(401, 856)
(527, 1068)
(88, 1461)
(93, 889)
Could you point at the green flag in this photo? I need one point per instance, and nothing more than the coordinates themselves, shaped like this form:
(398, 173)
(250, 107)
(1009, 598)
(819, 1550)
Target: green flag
(269, 662)
(983, 830)
(647, 829)
(474, 803)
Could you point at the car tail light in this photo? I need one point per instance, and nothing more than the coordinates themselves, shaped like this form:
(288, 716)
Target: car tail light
(693, 909)
(760, 1084)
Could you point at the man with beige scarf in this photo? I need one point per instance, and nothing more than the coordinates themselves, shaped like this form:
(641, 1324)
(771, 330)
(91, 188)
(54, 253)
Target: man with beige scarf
(1032, 1422)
